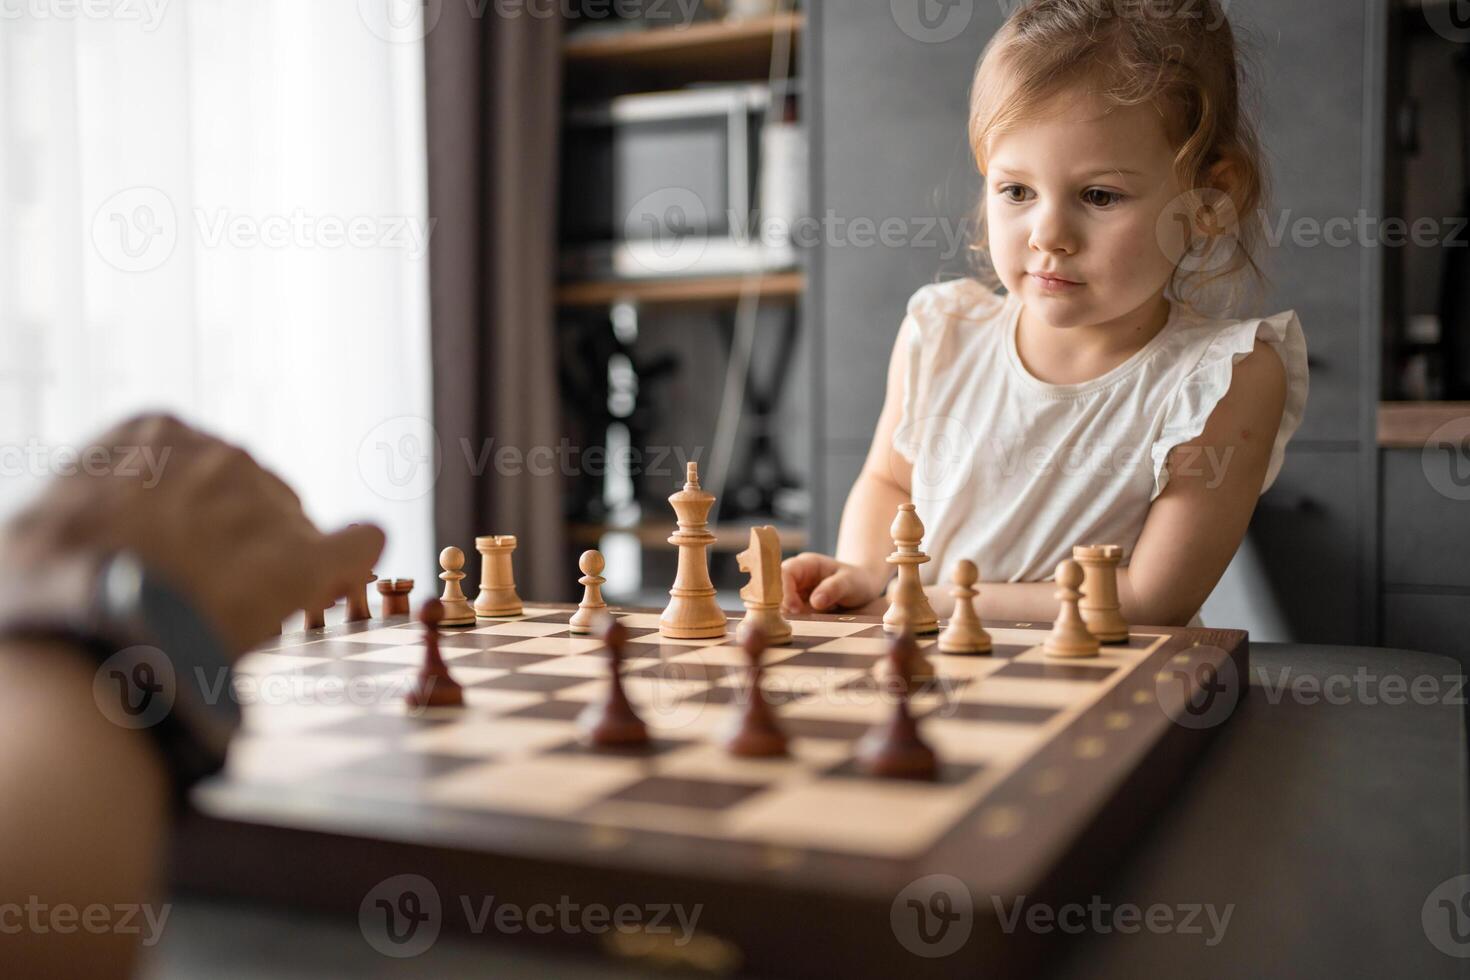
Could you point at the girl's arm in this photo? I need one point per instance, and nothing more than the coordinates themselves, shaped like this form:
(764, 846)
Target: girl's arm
(859, 572)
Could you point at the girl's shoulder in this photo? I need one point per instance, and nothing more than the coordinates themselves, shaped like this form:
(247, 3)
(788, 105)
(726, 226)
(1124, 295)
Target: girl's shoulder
(958, 301)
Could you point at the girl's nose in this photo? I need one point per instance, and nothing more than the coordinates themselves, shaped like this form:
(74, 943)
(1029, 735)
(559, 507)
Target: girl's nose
(1050, 233)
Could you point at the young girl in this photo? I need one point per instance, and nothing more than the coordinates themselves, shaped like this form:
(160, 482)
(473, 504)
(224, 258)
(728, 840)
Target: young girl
(1095, 401)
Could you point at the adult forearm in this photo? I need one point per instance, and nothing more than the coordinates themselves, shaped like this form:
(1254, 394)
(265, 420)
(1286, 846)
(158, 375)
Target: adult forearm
(82, 815)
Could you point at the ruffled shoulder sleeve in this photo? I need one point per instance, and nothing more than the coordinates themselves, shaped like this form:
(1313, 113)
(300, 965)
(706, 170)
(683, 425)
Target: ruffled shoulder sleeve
(1192, 403)
(933, 310)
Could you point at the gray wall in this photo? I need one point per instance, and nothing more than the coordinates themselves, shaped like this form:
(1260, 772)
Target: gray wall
(888, 139)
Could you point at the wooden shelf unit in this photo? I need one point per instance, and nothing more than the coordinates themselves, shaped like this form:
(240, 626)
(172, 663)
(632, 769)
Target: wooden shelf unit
(680, 292)
(705, 51)
(1408, 425)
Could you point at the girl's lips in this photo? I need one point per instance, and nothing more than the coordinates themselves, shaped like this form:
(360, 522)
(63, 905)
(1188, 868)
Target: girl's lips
(1052, 284)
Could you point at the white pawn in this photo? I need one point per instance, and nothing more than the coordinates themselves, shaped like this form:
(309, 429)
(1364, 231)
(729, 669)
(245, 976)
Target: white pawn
(1069, 637)
(964, 634)
(457, 609)
(591, 563)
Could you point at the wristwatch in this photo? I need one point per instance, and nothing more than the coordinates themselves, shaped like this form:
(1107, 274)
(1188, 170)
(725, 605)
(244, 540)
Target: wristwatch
(161, 666)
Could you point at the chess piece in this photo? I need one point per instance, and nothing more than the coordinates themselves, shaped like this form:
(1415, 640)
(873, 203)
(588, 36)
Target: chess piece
(457, 609)
(612, 722)
(758, 736)
(964, 634)
(762, 594)
(316, 618)
(591, 564)
(1069, 637)
(918, 666)
(1100, 608)
(910, 609)
(357, 601)
(894, 749)
(395, 592)
(433, 687)
(692, 612)
(497, 578)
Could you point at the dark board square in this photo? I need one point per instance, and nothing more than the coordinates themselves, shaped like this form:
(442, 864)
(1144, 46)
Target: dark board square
(803, 642)
(655, 747)
(829, 658)
(1056, 672)
(701, 794)
(685, 670)
(1007, 651)
(1022, 714)
(949, 774)
(823, 728)
(737, 695)
(477, 641)
(943, 686)
(504, 659)
(552, 710)
(530, 682)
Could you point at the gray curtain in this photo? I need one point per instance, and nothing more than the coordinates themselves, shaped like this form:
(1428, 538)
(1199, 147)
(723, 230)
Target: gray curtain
(494, 92)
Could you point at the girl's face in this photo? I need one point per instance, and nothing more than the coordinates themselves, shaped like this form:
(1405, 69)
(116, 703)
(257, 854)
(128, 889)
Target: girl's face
(1078, 196)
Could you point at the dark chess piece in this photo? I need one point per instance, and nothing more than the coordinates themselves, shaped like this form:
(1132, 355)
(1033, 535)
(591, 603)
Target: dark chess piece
(758, 736)
(612, 722)
(434, 688)
(893, 749)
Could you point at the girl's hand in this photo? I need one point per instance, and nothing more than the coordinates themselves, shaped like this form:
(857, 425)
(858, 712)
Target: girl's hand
(818, 583)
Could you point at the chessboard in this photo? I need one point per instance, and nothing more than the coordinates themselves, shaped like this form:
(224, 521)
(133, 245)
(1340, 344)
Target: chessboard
(798, 865)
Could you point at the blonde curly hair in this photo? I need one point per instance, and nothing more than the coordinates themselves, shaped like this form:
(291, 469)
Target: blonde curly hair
(1180, 56)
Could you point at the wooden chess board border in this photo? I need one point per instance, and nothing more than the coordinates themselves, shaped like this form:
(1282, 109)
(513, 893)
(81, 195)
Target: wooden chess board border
(1024, 838)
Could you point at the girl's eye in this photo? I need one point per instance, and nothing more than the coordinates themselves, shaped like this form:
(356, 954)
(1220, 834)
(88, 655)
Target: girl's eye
(1098, 197)
(1010, 192)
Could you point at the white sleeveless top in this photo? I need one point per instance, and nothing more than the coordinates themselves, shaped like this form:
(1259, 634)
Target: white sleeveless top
(1011, 472)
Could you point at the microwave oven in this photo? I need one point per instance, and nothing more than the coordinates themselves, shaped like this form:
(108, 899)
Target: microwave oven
(669, 184)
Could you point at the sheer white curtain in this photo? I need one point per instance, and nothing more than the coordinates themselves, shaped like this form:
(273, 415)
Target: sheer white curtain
(218, 207)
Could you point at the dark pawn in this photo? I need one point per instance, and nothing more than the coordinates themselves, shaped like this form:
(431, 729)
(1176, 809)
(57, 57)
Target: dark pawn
(759, 736)
(893, 749)
(613, 722)
(434, 688)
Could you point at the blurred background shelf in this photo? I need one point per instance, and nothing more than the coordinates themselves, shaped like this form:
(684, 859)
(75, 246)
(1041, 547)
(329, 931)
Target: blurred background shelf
(667, 57)
(679, 292)
(1408, 425)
